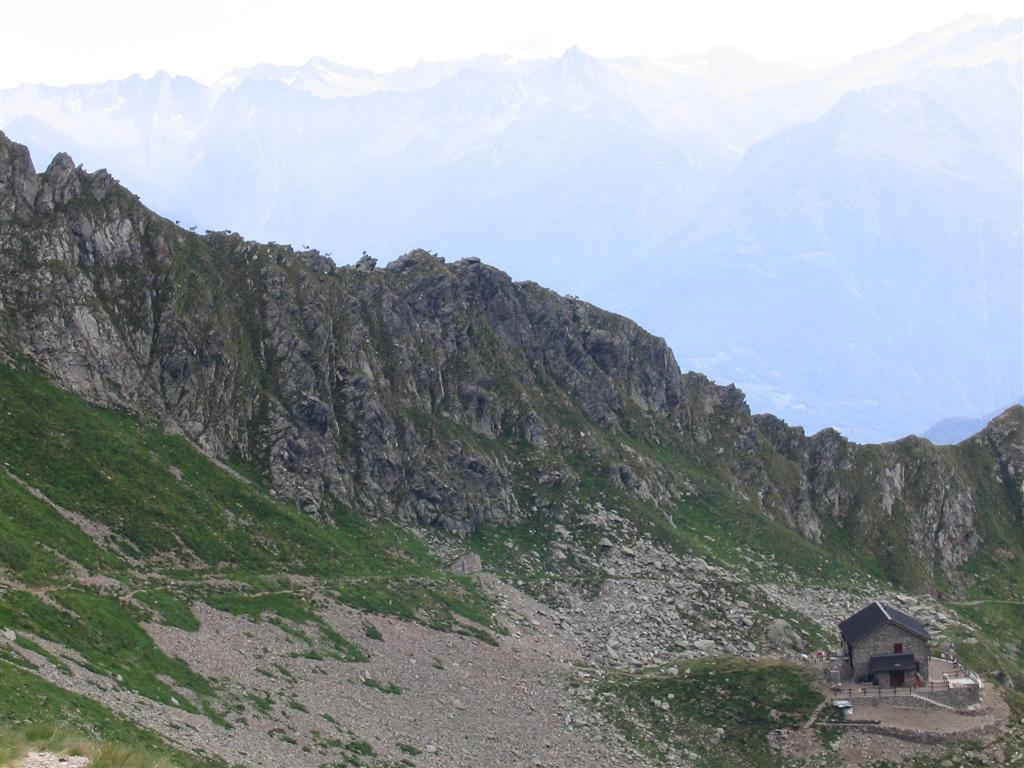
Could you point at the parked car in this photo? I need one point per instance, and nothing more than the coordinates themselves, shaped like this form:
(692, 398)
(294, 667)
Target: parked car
(843, 705)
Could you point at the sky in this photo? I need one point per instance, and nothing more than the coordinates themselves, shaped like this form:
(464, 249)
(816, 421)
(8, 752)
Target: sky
(69, 41)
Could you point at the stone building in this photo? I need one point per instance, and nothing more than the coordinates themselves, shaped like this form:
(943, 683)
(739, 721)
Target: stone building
(885, 645)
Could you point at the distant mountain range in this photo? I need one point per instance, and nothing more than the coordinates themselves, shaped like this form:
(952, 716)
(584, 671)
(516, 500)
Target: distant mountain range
(845, 245)
(958, 428)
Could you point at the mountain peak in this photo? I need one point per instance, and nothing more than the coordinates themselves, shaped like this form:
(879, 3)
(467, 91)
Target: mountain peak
(62, 161)
(576, 56)
(578, 66)
(320, 63)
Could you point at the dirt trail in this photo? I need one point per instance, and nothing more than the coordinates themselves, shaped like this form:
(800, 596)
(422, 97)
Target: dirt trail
(814, 715)
(50, 760)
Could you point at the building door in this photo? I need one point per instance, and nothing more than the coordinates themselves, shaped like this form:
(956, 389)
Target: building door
(896, 679)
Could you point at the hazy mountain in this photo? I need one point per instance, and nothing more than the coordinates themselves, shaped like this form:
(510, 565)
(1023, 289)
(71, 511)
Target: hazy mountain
(864, 269)
(956, 429)
(843, 242)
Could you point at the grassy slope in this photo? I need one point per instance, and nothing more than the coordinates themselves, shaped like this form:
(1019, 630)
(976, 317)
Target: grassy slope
(33, 706)
(164, 538)
(680, 707)
(123, 474)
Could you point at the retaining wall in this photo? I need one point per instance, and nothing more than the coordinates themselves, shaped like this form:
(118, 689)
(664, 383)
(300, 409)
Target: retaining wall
(921, 737)
(957, 698)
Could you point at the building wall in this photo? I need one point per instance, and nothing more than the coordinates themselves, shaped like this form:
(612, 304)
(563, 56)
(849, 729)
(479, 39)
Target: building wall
(880, 643)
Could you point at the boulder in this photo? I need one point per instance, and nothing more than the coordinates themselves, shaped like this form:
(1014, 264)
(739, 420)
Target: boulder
(367, 263)
(468, 564)
(781, 635)
(1004, 679)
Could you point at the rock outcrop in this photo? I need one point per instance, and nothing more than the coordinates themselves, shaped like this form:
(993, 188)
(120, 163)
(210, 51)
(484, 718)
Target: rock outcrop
(435, 393)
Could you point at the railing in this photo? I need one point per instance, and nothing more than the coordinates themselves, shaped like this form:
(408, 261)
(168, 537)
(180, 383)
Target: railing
(878, 692)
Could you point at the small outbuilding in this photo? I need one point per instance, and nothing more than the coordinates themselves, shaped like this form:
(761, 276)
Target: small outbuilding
(886, 646)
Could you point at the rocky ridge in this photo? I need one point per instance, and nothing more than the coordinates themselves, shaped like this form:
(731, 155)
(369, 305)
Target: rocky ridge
(444, 394)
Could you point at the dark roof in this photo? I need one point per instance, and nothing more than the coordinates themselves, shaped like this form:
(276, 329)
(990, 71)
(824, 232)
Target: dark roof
(895, 662)
(873, 616)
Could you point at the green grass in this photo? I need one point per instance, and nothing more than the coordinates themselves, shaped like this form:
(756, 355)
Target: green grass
(107, 634)
(171, 610)
(999, 645)
(300, 615)
(360, 748)
(118, 471)
(371, 631)
(41, 714)
(745, 699)
(377, 685)
(434, 599)
(33, 535)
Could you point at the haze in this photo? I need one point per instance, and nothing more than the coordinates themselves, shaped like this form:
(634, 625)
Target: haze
(843, 242)
(98, 41)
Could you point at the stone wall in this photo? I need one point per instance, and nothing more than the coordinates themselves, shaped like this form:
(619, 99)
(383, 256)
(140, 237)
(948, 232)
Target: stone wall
(921, 737)
(880, 643)
(958, 698)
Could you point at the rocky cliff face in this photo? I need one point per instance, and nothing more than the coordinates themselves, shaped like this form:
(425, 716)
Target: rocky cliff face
(442, 394)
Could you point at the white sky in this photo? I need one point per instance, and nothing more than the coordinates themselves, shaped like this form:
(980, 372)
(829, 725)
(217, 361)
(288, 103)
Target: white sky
(63, 41)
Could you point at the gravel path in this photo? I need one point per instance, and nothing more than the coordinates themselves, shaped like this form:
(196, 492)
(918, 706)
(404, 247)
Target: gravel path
(50, 760)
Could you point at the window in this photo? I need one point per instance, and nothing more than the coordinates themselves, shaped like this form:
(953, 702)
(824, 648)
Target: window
(897, 647)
